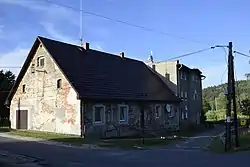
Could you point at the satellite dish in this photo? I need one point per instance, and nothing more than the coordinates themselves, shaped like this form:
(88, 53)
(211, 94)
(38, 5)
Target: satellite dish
(168, 108)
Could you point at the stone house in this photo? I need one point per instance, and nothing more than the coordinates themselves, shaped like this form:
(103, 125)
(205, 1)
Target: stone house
(69, 89)
(187, 85)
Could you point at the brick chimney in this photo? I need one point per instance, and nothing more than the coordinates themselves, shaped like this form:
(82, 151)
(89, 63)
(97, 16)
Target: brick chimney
(85, 45)
(122, 54)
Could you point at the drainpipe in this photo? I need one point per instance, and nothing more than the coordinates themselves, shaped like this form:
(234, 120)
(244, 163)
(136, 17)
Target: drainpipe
(178, 90)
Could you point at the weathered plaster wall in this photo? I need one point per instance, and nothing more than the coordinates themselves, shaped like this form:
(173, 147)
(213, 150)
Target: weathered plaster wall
(49, 108)
(112, 126)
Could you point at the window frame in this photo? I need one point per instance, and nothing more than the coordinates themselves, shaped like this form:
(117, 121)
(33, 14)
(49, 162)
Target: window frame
(126, 114)
(102, 118)
(38, 61)
(160, 108)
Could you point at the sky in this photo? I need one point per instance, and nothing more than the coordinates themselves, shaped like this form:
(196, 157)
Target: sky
(176, 27)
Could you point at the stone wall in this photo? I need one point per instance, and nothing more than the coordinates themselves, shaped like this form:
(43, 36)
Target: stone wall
(49, 108)
(113, 127)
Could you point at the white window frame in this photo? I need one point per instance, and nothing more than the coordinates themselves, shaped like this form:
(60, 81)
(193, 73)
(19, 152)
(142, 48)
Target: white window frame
(38, 61)
(119, 112)
(158, 105)
(102, 121)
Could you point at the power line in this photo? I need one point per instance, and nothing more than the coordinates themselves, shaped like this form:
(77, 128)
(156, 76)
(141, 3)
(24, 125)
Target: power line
(188, 54)
(127, 23)
(242, 54)
(11, 67)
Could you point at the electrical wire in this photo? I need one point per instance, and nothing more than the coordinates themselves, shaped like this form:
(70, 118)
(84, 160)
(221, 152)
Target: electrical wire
(223, 48)
(242, 54)
(188, 54)
(126, 23)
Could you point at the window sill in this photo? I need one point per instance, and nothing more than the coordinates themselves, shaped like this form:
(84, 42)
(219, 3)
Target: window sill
(98, 123)
(123, 122)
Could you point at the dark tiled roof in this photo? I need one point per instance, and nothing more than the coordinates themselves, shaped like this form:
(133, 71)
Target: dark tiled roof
(99, 75)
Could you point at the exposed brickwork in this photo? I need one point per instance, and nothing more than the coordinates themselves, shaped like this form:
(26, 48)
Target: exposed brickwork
(112, 127)
(49, 108)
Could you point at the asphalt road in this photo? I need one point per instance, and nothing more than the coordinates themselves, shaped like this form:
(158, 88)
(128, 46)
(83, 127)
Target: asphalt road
(55, 156)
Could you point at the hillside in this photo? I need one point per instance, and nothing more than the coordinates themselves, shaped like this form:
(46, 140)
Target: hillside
(215, 99)
(217, 92)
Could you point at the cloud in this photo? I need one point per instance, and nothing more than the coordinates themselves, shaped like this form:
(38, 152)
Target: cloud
(13, 60)
(54, 33)
(49, 11)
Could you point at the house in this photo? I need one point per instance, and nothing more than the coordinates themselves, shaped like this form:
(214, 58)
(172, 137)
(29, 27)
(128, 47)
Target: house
(186, 83)
(71, 89)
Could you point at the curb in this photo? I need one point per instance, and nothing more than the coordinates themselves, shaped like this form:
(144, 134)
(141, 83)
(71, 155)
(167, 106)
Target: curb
(47, 142)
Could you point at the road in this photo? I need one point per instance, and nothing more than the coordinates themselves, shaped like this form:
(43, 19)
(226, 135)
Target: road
(54, 156)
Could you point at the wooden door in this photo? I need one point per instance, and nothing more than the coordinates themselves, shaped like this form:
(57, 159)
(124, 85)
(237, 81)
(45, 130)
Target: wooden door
(22, 119)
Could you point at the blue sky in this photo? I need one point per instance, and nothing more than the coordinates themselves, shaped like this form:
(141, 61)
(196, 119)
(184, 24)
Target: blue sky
(210, 22)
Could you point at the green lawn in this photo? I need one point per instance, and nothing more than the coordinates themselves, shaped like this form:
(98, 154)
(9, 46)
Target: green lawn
(75, 140)
(134, 143)
(218, 147)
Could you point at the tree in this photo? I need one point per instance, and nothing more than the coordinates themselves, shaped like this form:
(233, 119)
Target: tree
(247, 75)
(206, 106)
(7, 80)
(245, 107)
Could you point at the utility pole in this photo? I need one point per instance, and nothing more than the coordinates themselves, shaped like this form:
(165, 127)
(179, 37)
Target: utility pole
(229, 99)
(234, 105)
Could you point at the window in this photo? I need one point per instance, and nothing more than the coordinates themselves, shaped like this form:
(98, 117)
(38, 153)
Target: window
(193, 78)
(24, 90)
(157, 111)
(197, 78)
(182, 115)
(99, 114)
(40, 61)
(195, 95)
(186, 95)
(123, 113)
(186, 115)
(181, 94)
(59, 83)
(32, 68)
(186, 111)
(184, 76)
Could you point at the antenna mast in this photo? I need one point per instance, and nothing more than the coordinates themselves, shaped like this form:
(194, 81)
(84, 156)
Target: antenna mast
(81, 21)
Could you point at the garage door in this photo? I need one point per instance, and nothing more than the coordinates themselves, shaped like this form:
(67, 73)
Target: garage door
(22, 119)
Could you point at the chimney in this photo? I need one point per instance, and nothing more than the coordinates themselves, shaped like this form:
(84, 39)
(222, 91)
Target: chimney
(85, 45)
(153, 66)
(122, 54)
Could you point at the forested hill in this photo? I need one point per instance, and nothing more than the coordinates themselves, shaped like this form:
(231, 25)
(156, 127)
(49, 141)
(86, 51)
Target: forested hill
(216, 93)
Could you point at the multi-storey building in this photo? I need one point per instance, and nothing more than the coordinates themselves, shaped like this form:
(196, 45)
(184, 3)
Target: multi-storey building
(186, 83)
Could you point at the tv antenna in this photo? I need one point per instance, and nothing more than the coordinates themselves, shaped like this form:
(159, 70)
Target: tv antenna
(81, 21)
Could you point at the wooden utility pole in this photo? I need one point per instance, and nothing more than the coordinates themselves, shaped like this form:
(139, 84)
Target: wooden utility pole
(234, 105)
(229, 99)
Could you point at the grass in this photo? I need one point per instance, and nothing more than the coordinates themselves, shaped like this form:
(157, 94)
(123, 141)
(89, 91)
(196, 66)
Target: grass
(133, 143)
(75, 140)
(217, 146)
